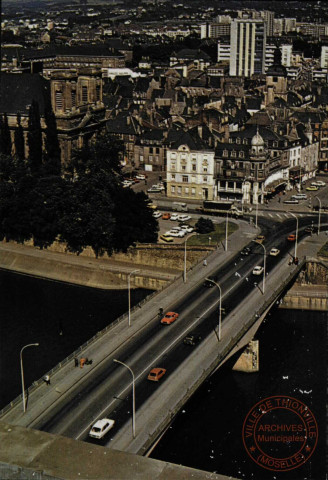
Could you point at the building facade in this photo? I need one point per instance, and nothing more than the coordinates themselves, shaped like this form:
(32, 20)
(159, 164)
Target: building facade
(248, 42)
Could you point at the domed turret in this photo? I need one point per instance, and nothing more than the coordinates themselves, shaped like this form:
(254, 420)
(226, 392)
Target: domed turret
(257, 140)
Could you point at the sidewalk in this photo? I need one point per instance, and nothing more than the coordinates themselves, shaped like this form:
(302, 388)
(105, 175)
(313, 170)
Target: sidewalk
(43, 398)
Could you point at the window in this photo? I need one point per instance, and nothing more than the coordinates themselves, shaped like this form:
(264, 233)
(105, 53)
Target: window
(187, 190)
(185, 178)
(233, 153)
(193, 192)
(241, 154)
(73, 98)
(59, 100)
(98, 93)
(157, 150)
(84, 94)
(225, 153)
(150, 149)
(204, 179)
(172, 189)
(179, 190)
(173, 176)
(173, 166)
(150, 158)
(194, 167)
(183, 168)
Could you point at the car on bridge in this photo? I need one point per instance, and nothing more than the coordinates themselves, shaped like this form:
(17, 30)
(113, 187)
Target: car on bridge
(156, 374)
(291, 237)
(274, 252)
(245, 251)
(260, 239)
(101, 427)
(169, 318)
(258, 270)
(193, 338)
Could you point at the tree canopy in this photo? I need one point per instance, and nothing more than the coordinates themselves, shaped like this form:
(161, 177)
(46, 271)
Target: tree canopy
(87, 206)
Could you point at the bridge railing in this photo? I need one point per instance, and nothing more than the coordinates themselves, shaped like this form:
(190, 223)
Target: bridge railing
(173, 284)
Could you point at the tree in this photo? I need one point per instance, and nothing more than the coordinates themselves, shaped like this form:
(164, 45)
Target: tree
(19, 140)
(204, 225)
(5, 138)
(34, 139)
(52, 160)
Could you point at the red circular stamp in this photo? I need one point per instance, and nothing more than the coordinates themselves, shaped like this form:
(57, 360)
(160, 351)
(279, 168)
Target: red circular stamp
(280, 433)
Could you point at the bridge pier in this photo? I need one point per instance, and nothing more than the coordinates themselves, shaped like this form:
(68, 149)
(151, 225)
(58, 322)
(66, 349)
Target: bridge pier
(248, 361)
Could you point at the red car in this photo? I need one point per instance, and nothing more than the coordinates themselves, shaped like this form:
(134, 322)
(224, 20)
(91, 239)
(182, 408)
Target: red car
(291, 238)
(169, 318)
(156, 374)
(166, 216)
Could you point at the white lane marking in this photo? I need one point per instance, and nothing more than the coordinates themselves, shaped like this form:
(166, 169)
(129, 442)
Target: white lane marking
(124, 391)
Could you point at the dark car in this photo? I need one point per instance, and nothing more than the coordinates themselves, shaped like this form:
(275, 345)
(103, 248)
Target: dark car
(192, 339)
(245, 251)
(207, 283)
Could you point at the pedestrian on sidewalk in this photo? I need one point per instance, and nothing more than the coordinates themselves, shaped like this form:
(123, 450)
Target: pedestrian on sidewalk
(76, 362)
(46, 379)
(205, 263)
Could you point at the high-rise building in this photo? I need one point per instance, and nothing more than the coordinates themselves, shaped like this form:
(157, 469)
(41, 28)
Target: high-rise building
(248, 42)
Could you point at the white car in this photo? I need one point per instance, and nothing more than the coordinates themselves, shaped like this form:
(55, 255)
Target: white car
(274, 252)
(258, 270)
(184, 218)
(157, 214)
(140, 176)
(176, 233)
(186, 228)
(174, 217)
(318, 183)
(101, 427)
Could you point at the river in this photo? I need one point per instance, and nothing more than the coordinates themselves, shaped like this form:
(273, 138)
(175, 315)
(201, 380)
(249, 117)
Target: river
(207, 433)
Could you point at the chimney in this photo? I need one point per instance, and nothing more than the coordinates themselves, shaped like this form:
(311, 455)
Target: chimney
(200, 131)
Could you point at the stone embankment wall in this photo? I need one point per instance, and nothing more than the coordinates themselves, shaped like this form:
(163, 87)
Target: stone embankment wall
(158, 265)
(310, 291)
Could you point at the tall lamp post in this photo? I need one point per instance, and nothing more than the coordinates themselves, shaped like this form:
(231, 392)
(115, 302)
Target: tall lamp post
(319, 220)
(256, 212)
(133, 397)
(264, 263)
(185, 263)
(129, 293)
(220, 314)
(296, 236)
(226, 233)
(22, 371)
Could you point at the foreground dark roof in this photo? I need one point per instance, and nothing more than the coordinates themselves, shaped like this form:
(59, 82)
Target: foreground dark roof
(18, 90)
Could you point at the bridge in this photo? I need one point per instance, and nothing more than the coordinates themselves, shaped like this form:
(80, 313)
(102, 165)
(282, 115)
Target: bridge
(157, 410)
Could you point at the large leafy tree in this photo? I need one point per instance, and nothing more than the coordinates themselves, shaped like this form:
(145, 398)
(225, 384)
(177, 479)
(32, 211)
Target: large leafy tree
(5, 138)
(34, 139)
(52, 161)
(19, 140)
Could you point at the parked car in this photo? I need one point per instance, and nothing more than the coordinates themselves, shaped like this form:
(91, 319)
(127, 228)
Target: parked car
(174, 216)
(176, 233)
(293, 201)
(101, 427)
(291, 238)
(157, 214)
(274, 252)
(319, 183)
(299, 196)
(312, 188)
(186, 228)
(166, 238)
(154, 190)
(169, 318)
(184, 218)
(258, 270)
(166, 216)
(193, 338)
(141, 176)
(156, 374)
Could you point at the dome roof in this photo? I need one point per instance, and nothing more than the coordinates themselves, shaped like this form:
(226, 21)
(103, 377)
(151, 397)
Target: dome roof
(257, 140)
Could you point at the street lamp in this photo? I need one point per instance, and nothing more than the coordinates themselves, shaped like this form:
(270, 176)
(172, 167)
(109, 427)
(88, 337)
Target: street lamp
(129, 294)
(319, 220)
(264, 263)
(296, 236)
(185, 263)
(209, 240)
(256, 212)
(133, 397)
(226, 233)
(220, 314)
(22, 371)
